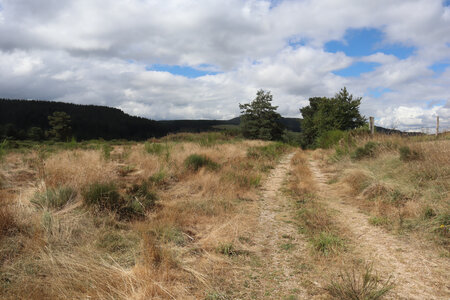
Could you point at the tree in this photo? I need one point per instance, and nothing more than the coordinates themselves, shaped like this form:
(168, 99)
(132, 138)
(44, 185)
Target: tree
(35, 133)
(259, 119)
(60, 126)
(324, 114)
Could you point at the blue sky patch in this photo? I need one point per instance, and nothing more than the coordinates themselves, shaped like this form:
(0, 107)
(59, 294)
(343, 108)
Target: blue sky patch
(180, 70)
(296, 43)
(357, 69)
(367, 41)
(433, 103)
(439, 67)
(377, 92)
(446, 3)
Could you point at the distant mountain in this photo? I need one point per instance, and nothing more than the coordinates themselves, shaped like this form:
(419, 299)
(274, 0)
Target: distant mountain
(93, 121)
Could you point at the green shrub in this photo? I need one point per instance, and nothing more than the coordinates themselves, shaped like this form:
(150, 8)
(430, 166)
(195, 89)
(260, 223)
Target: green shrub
(359, 286)
(367, 151)
(103, 196)
(330, 138)
(54, 198)
(406, 154)
(195, 161)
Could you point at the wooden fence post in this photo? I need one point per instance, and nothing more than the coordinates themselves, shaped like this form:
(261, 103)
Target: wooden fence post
(437, 126)
(371, 125)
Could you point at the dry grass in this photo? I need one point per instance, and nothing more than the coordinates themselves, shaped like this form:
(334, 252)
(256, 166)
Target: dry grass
(410, 192)
(313, 218)
(74, 251)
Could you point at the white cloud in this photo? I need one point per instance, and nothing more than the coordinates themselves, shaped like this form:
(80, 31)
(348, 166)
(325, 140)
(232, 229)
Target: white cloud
(95, 52)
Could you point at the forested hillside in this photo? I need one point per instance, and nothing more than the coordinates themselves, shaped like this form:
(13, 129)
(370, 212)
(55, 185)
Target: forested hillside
(18, 118)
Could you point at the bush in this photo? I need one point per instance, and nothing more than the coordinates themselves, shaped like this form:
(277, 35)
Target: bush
(406, 154)
(54, 198)
(195, 161)
(355, 285)
(330, 138)
(367, 151)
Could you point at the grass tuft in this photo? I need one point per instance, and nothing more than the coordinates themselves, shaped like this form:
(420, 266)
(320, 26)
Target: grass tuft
(363, 152)
(406, 154)
(194, 162)
(365, 285)
(103, 196)
(327, 243)
(54, 198)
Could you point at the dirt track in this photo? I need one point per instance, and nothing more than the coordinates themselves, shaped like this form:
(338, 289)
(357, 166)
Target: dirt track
(419, 273)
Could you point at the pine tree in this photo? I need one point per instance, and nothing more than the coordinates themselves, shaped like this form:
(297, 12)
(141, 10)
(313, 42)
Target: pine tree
(259, 119)
(60, 126)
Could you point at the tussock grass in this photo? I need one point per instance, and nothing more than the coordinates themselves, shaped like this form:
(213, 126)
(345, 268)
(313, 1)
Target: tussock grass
(109, 237)
(362, 284)
(404, 183)
(54, 198)
(195, 161)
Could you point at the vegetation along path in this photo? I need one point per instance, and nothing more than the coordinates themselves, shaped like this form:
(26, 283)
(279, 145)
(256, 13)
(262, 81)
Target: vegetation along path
(419, 273)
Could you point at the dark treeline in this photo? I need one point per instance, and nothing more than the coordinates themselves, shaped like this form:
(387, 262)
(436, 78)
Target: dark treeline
(28, 119)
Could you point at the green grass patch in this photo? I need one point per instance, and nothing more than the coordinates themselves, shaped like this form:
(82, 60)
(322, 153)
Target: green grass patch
(327, 243)
(287, 246)
(379, 221)
(226, 249)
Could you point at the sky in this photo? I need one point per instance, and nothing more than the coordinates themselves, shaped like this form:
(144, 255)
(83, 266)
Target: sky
(185, 59)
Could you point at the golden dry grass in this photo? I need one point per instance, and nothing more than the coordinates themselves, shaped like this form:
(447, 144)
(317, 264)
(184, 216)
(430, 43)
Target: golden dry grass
(78, 252)
(411, 194)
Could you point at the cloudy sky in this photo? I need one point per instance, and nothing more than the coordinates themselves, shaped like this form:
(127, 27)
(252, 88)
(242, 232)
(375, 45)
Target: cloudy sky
(186, 59)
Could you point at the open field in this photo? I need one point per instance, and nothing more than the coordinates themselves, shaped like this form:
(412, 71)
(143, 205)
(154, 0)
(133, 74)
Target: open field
(207, 216)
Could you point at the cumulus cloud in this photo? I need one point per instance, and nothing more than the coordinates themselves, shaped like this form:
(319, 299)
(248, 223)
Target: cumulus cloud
(98, 52)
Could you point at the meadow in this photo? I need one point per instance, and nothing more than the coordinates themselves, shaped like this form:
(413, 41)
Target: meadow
(135, 220)
(212, 216)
